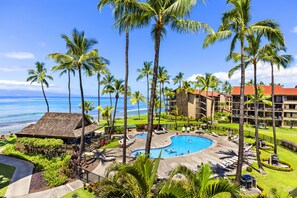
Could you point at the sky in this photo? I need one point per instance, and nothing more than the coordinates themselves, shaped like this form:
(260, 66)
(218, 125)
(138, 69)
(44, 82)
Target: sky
(30, 30)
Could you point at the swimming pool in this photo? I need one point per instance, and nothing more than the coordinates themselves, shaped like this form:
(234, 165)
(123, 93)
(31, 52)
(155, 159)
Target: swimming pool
(142, 135)
(181, 145)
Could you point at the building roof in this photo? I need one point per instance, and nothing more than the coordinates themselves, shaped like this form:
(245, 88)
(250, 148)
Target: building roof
(203, 93)
(278, 90)
(59, 125)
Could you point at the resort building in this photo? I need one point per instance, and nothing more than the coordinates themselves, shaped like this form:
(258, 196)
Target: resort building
(66, 126)
(285, 106)
(197, 104)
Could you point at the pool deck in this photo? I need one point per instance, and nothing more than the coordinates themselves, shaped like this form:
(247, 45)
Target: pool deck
(220, 149)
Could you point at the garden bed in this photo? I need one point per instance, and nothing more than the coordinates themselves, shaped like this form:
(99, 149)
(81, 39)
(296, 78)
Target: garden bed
(283, 166)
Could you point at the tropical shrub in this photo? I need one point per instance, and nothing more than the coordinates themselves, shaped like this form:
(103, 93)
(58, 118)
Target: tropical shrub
(249, 169)
(278, 168)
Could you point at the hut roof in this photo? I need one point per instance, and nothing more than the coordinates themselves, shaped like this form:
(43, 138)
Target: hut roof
(60, 125)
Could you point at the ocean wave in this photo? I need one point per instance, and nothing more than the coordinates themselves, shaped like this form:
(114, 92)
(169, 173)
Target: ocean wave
(132, 110)
(15, 127)
(22, 114)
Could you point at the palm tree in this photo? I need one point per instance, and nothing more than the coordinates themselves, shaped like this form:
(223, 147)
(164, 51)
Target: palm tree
(89, 106)
(122, 9)
(65, 67)
(227, 88)
(273, 57)
(40, 76)
(136, 98)
(146, 71)
(134, 179)
(118, 89)
(83, 58)
(108, 81)
(186, 88)
(178, 78)
(205, 83)
(200, 184)
(163, 78)
(254, 54)
(106, 113)
(237, 21)
(214, 86)
(163, 14)
(168, 93)
(100, 67)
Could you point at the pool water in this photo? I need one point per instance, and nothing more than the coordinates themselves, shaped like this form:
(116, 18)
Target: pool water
(181, 145)
(142, 135)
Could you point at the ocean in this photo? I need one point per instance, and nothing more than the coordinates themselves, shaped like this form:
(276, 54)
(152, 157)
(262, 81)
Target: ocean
(18, 112)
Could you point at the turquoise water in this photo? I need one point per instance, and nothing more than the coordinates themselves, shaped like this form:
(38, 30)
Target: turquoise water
(18, 112)
(141, 136)
(181, 145)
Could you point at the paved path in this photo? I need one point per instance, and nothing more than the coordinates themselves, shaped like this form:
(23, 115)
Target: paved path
(20, 182)
(55, 192)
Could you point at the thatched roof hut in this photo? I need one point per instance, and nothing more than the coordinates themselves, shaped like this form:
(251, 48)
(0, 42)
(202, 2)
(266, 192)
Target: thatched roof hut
(58, 125)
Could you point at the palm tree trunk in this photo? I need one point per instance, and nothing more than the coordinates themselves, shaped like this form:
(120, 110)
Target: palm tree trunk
(153, 90)
(114, 115)
(98, 77)
(138, 110)
(82, 141)
(211, 110)
(160, 106)
(47, 106)
(241, 118)
(148, 93)
(206, 96)
(69, 92)
(273, 110)
(256, 105)
(110, 99)
(125, 94)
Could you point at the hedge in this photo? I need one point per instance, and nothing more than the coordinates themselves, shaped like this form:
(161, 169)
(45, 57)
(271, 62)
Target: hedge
(285, 169)
(289, 145)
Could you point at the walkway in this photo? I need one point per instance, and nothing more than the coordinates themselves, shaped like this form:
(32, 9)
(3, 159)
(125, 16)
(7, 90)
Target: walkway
(21, 179)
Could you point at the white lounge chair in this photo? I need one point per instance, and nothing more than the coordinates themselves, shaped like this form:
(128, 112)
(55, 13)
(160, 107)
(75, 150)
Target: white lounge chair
(107, 158)
(214, 134)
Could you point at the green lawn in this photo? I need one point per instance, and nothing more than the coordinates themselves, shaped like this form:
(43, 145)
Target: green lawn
(281, 133)
(6, 171)
(282, 181)
(80, 193)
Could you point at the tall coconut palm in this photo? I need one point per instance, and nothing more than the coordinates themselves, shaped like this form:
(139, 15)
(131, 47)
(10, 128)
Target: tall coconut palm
(83, 58)
(118, 89)
(163, 78)
(178, 78)
(206, 82)
(254, 54)
(108, 81)
(237, 20)
(168, 93)
(122, 9)
(65, 67)
(274, 58)
(200, 184)
(163, 14)
(227, 88)
(40, 76)
(100, 67)
(136, 98)
(134, 179)
(186, 88)
(215, 87)
(146, 71)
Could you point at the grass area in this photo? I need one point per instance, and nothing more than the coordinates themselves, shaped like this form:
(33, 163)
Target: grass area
(8, 140)
(112, 144)
(281, 133)
(133, 120)
(6, 171)
(282, 181)
(79, 193)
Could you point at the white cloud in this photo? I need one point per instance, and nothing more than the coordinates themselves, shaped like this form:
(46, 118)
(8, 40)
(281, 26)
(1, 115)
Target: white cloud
(295, 29)
(12, 68)
(18, 85)
(284, 76)
(295, 57)
(18, 55)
